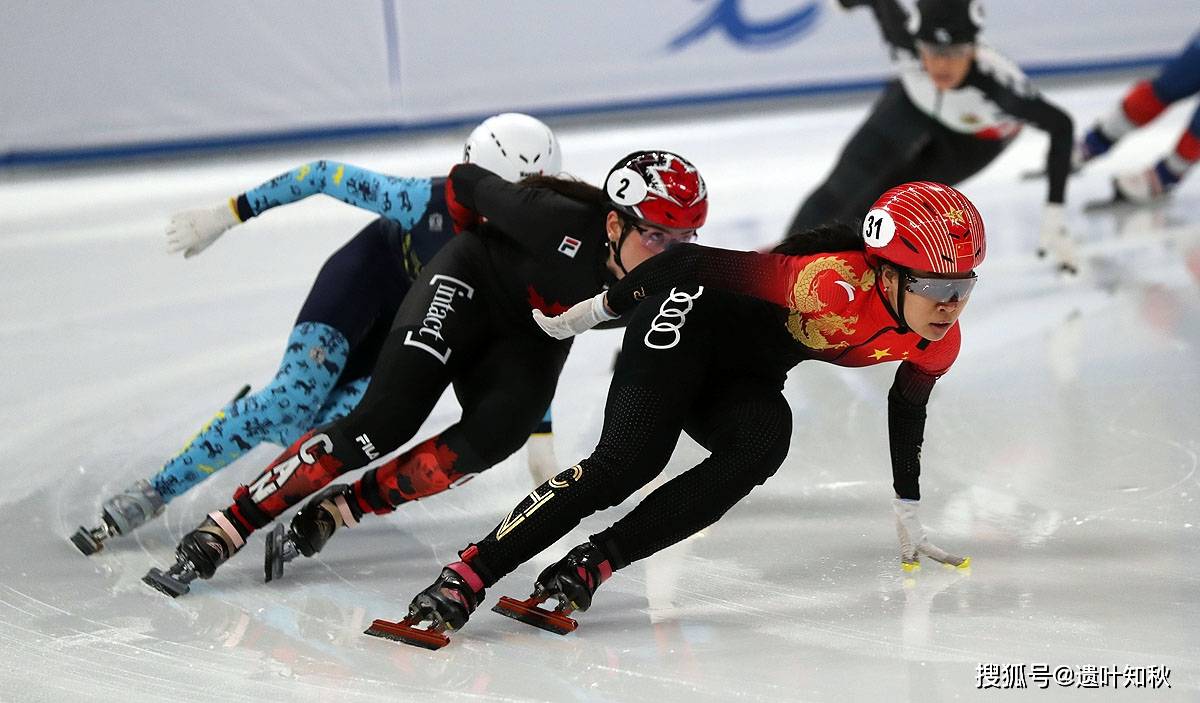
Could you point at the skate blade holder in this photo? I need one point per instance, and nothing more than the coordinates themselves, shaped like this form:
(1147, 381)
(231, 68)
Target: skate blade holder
(528, 612)
(86, 542)
(405, 631)
(165, 583)
(276, 554)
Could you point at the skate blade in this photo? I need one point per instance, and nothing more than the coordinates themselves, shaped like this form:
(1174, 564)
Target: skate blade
(528, 612)
(164, 583)
(403, 631)
(273, 556)
(84, 542)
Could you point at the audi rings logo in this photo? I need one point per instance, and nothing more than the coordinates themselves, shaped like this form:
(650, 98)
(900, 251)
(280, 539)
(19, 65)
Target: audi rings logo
(667, 325)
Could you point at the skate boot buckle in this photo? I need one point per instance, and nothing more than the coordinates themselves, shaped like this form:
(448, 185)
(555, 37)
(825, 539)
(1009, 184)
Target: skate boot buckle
(528, 612)
(405, 631)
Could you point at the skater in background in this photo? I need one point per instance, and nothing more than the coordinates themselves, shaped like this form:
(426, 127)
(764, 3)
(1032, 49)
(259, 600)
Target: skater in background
(349, 310)
(546, 243)
(955, 107)
(1146, 100)
(698, 357)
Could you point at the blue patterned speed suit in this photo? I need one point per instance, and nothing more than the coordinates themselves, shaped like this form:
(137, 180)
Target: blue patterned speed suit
(338, 334)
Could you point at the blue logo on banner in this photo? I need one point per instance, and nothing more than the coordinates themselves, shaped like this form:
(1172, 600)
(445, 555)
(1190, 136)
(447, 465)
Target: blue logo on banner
(727, 17)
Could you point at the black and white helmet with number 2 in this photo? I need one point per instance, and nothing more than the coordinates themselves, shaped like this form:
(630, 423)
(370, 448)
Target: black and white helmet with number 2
(513, 146)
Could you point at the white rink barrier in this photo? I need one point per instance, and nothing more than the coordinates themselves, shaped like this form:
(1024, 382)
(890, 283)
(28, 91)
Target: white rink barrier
(131, 77)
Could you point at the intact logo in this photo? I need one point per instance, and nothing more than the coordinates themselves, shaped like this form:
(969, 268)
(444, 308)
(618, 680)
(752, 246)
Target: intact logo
(667, 327)
(570, 246)
(429, 338)
(368, 446)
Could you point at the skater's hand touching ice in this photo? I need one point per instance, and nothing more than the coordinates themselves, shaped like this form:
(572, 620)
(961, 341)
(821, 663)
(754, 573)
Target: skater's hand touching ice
(914, 542)
(192, 231)
(1055, 239)
(580, 317)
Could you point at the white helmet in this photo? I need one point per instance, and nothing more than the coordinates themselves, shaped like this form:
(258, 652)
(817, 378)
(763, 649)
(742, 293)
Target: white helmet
(513, 146)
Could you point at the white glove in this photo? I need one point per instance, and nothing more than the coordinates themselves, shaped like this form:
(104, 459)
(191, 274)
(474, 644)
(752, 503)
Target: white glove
(581, 317)
(1055, 240)
(914, 542)
(192, 231)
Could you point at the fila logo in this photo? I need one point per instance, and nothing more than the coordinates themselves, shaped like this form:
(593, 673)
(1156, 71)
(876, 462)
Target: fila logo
(368, 446)
(570, 246)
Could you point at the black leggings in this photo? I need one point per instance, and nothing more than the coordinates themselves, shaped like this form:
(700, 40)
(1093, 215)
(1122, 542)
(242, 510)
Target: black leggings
(681, 368)
(898, 143)
(445, 332)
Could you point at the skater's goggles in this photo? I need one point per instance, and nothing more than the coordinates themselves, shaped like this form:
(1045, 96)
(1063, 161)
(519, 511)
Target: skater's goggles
(658, 240)
(940, 290)
(946, 51)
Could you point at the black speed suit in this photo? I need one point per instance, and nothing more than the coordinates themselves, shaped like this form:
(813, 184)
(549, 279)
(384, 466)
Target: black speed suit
(682, 368)
(712, 363)
(466, 322)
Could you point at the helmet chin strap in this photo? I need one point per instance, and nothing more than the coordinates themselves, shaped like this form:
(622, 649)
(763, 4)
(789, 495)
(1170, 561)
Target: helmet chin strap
(898, 313)
(616, 247)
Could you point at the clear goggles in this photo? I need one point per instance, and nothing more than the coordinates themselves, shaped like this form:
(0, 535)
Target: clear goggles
(940, 290)
(659, 240)
(946, 51)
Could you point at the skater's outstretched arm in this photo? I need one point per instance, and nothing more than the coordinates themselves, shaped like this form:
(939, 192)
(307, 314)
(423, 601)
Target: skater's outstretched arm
(769, 277)
(906, 429)
(1017, 97)
(401, 199)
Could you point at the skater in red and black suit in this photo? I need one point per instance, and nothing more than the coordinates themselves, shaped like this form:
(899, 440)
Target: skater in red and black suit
(706, 352)
(545, 243)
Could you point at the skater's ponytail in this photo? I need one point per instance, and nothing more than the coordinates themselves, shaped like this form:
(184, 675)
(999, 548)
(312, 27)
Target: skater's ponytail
(838, 236)
(570, 187)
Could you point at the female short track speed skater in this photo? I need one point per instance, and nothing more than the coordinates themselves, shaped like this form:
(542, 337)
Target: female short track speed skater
(698, 357)
(546, 244)
(1146, 100)
(346, 316)
(955, 107)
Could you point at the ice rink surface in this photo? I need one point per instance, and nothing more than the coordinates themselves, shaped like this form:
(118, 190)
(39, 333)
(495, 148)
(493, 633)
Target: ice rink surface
(1060, 453)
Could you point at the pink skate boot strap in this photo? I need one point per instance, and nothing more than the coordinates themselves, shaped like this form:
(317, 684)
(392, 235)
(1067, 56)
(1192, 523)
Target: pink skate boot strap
(344, 509)
(603, 567)
(464, 570)
(605, 570)
(230, 531)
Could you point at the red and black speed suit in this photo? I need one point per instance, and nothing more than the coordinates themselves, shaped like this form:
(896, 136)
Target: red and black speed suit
(464, 322)
(700, 358)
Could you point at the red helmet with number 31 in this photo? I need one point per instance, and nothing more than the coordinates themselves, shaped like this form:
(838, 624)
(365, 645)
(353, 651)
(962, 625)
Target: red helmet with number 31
(658, 187)
(925, 226)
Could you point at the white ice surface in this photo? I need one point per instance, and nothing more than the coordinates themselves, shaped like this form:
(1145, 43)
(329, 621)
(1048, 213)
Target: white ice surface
(1060, 453)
